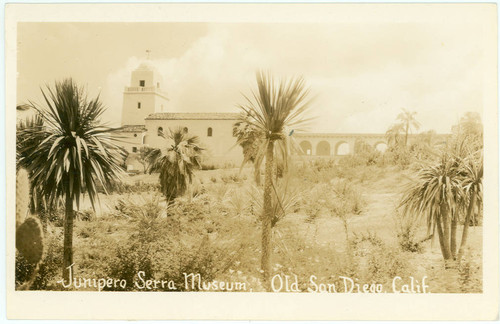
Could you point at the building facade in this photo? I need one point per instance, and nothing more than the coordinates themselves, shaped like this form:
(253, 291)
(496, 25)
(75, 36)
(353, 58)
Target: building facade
(145, 113)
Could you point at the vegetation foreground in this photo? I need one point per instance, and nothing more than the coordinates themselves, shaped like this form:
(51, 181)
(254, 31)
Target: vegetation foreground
(216, 235)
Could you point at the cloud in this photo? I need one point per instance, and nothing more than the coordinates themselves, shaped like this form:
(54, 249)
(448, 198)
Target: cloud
(362, 75)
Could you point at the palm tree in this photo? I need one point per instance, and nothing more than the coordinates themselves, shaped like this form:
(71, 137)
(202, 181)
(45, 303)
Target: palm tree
(393, 134)
(26, 132)
(473, 187)
(176, 162)
(77, 153)
(408, 121)
(437, 194)
(250, 140)
(275, 109)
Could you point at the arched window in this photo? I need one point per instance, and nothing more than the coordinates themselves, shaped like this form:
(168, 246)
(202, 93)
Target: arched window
(209, 132)
(160, 131)
(185, 129)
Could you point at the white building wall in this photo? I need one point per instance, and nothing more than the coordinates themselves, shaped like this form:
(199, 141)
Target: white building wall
(220, 147)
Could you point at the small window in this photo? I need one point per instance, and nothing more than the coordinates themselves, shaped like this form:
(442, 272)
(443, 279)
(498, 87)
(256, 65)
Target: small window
(209, 132)
(134, 149)
(135, 135)
(158, 85)
(139, 105)
(160, 131)
(185, 129)
(142, 83)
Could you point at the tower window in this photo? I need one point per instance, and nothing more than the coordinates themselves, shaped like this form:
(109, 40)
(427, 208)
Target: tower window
(134, 149)
(185, 129)
(160, 131)
(135, 135)
(139, 105)
(209, 132)
(142, 83)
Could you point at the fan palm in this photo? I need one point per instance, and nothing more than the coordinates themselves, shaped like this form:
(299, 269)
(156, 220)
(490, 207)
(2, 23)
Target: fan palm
(75, 155)
(408, 121)
(275, 109)
(176, 162)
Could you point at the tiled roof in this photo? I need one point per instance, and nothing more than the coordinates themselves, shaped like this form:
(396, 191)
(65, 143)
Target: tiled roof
(133, 128)
(210, 116)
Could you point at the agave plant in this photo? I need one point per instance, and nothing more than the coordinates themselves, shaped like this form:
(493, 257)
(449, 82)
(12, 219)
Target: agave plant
(71, 154)
(275, 110)
(176, 161)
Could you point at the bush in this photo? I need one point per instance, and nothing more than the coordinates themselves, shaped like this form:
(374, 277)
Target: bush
(406, 228)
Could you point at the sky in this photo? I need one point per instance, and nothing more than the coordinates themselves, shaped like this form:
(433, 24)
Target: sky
(360, 74)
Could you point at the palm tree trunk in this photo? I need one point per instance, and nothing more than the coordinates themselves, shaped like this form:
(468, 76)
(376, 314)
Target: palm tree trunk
(267, 217)
(446, 234)
(465, 232)
(453, 238)
(406, 133)
(68, 236)
(439, 226)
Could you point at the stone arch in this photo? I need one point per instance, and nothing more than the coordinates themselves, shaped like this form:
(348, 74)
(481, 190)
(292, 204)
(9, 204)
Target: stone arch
(380, 146)
(306, 148)
(342, 148)
(323, 148)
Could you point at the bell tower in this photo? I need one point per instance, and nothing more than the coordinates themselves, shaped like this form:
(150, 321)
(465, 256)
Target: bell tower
(144, 96)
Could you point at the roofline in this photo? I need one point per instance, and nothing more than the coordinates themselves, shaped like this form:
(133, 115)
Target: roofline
(194, 116)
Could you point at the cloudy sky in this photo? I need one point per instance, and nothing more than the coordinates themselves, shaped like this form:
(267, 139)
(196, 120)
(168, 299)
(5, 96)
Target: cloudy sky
(361, 74)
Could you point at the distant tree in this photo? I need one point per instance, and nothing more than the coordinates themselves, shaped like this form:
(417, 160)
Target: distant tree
(276, 109)
(175, 160)
(393, 135)
(469, 131)
(409, 122)
(142, 157)
(76, 154)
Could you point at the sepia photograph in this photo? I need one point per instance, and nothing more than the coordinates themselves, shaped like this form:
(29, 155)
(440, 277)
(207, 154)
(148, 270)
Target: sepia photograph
(325, 156)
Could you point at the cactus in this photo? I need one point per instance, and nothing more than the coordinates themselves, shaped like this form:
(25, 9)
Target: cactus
(22, 196)
(29, 240)
(29, 232)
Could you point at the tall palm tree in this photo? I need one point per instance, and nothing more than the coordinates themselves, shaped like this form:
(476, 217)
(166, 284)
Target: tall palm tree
(437, 194)
(408, 120)
(276, 108)
(176, 162)
(76, 154)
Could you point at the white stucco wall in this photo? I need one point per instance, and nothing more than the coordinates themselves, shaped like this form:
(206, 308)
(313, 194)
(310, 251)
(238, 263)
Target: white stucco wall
(221, 146)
